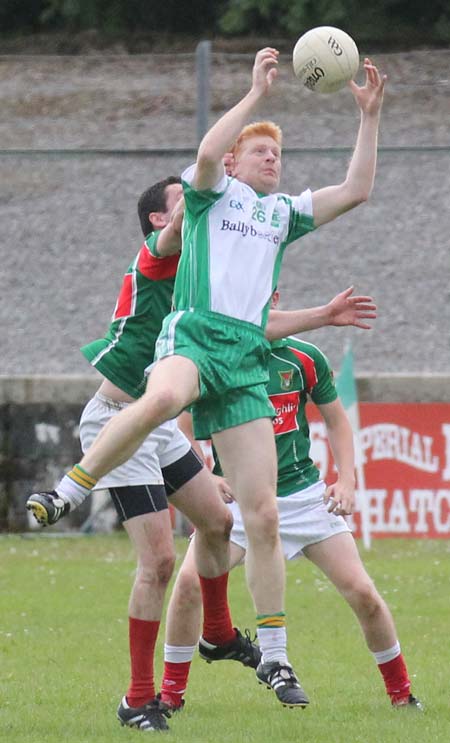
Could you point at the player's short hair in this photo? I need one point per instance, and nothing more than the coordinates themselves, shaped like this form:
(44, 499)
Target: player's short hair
(258, 129)
(154, 200)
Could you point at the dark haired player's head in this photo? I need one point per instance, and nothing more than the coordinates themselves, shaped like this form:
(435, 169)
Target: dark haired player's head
(154, 199)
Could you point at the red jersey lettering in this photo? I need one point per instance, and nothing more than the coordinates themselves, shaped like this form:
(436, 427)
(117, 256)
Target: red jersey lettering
(286, 409)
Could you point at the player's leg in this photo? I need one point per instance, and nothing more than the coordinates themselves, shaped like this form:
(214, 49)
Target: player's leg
(339, 559)
(199, 499)
(144, 512)
(183, 623)
(192, 490)
(172, 385)
(248, 457)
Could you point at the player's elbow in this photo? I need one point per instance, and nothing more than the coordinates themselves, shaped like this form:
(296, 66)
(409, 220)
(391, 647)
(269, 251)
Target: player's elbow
(358, 193)
(362, 196)
(357, 201)
(353, 200)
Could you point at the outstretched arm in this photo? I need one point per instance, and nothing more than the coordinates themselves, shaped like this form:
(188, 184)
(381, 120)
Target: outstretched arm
(340, 496)
(330, 202)
(220, 138)
(343, 309)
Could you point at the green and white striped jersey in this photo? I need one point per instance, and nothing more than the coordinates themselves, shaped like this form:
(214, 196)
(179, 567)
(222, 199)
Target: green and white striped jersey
(233, 243)
(145, 298)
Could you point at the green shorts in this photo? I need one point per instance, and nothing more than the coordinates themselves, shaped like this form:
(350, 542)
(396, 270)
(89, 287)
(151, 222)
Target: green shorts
(231, 357)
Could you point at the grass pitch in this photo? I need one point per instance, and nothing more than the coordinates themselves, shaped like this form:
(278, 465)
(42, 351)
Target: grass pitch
(64, 650)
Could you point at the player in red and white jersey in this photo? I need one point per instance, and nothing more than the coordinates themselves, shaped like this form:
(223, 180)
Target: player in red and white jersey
(165, 465)
(310, 522)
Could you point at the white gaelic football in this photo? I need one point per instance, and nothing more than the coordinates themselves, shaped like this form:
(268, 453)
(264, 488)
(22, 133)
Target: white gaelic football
(325, 59)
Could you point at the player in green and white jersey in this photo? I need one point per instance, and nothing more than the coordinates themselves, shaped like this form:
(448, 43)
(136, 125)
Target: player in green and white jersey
(310, 522)
(212, 350)
(164, 468)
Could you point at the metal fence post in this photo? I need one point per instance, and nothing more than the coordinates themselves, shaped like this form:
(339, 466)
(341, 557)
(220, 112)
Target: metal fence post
(202, 64)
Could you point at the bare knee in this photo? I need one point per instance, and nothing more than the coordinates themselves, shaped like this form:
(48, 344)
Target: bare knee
(364, 597)
(160, 404)
(156, 570)
(217, 529)
(262, 522)
(187, 590)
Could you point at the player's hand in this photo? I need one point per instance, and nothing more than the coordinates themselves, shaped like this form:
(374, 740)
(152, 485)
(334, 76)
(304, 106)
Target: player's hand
(340, 498)
(345, 309)
(224, 489)
(264, 70)
(369, 97)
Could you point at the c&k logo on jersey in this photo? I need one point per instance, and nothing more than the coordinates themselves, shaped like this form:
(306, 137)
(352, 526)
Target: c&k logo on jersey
(234, 204)
(286, 378)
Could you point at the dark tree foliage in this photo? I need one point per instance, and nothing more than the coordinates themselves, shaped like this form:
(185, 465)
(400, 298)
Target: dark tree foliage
(23, 16)
(387, 21)
(116, 16)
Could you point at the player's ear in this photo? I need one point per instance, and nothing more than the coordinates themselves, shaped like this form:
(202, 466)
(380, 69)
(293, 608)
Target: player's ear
(158, 220)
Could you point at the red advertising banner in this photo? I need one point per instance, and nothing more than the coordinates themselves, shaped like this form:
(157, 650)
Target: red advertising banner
(405, 449)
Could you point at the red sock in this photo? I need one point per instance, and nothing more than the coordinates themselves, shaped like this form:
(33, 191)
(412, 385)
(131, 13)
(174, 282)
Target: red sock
(174, 682)
(396, 678)
(217, 625)
(142, 634)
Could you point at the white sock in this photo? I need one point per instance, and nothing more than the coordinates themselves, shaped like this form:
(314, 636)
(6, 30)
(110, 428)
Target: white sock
(179, 653)
(384, 656)
(272, 642)
(70, 492)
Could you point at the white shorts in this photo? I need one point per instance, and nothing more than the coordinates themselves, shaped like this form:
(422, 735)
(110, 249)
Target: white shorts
(165, 445)
(304, 520)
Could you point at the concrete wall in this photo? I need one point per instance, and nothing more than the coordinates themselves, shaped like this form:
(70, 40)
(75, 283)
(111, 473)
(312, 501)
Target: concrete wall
(68, 205)
(38, 441)
(39, 431)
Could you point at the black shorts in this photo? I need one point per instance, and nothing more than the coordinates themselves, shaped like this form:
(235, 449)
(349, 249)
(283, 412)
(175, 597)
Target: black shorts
(137, 500)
